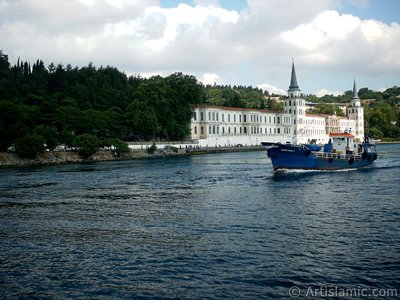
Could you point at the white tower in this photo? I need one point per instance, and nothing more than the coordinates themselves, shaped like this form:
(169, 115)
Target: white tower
(356, 112)
(295, 106)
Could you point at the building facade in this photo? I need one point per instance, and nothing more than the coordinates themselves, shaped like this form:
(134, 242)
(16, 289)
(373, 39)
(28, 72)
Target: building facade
(218, 126)
(229, 126)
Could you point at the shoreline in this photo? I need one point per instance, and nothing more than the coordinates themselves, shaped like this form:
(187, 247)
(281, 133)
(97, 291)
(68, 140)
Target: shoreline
(12, 160)
(392, 142)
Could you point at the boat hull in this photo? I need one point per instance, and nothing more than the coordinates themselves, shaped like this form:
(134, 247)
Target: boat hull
(296, 157)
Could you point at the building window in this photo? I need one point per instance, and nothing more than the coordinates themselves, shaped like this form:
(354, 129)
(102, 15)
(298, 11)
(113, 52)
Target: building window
(223, 130)
(234, 130)
(209, 116)
(194, 115)
(244, 118)
(223, 118)
(217, 115)
(229, 130)
(245, 130)
(202, 130)
(195, 129)
(234, 118)
(229, 117)
(201, 116)
(217, 129)
(213, 129)
(240, 118)
(209, 130)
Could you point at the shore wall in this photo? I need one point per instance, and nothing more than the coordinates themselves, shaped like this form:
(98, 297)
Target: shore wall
(57, 157)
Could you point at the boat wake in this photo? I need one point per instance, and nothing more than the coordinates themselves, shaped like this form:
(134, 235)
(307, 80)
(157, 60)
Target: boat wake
(302, 171)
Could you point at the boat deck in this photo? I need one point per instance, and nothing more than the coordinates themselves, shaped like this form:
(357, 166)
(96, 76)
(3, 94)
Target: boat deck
(328, 155)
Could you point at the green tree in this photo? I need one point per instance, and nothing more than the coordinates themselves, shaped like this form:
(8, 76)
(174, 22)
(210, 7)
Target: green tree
(87, 144)
(120, 147)
(49, 135)
(30, 146)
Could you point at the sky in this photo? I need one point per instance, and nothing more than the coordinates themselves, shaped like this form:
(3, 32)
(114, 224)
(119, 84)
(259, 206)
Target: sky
(232, 42)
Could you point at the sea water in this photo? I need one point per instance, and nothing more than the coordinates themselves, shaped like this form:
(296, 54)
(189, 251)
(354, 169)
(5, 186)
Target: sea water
(199, 227)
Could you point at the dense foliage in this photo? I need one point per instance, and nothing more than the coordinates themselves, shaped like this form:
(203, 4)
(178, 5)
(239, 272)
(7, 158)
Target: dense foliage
(241, 96)
(57, 104)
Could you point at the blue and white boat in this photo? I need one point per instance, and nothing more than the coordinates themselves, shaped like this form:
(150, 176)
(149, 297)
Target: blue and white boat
(341, 152)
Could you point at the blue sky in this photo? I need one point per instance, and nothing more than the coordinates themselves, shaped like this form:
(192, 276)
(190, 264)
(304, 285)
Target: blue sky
(384, 10)
(236, 42)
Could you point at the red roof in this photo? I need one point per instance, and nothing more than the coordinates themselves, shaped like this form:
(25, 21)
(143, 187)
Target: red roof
(341, 134)
(235, 108)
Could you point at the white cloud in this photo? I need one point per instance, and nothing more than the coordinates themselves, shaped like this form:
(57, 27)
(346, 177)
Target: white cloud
(186, 18)
(210, 78)
(323, 92)
(271, 89)
(326, 27)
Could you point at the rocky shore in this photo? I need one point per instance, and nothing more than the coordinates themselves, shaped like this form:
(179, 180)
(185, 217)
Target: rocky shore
(58, 157)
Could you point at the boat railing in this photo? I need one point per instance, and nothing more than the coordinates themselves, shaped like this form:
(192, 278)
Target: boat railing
(328, 155)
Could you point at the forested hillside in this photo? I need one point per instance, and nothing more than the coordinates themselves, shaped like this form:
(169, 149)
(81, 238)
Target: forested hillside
(57, 104)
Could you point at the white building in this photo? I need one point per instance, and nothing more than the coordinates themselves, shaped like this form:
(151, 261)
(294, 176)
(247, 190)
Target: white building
(216, 126)
(229, 126)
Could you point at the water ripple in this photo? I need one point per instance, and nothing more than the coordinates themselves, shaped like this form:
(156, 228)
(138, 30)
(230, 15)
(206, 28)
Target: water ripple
(201, 227)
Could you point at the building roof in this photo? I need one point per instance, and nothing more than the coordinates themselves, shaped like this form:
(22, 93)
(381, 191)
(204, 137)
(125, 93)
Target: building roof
(342, 134)
(237, 108)
(316, 115)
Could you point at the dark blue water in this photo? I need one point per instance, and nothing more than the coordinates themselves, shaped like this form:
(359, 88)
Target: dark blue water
(210, 226)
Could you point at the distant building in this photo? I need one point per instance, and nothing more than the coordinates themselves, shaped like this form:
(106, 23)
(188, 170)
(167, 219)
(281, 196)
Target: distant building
(216, 126)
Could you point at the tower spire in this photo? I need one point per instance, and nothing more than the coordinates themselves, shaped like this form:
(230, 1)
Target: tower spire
(293, 79)
(355, 101)
(293, 90)
(355, 94)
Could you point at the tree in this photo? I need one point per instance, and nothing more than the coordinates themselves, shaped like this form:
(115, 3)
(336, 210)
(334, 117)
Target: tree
(4, 64)
(30, 146)
(87, 144)
(49, 135)
(120, 147)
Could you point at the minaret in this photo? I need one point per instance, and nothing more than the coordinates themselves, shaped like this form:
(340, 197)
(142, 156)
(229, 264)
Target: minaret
(356, 112)
(295, 106)
(355, 101)
(293, 90)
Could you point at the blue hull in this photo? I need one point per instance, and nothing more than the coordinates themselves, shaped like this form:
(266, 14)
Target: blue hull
(298, 157)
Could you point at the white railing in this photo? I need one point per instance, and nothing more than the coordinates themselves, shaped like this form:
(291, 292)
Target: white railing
(328, 155)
